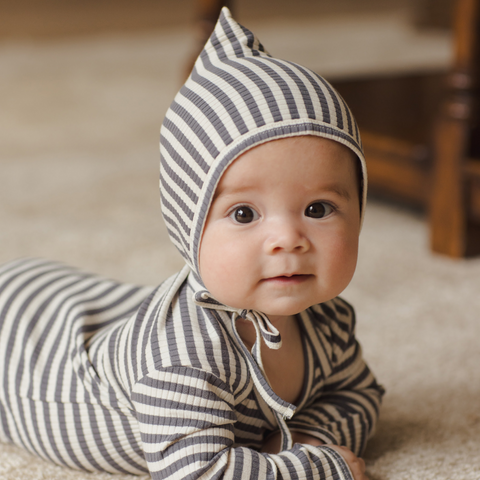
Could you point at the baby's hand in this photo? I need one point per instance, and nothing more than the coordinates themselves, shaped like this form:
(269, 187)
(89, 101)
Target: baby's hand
(356, 464)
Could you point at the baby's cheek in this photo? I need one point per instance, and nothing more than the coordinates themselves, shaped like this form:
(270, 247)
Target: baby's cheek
(233, 277)
(347, 253)
(217, 272)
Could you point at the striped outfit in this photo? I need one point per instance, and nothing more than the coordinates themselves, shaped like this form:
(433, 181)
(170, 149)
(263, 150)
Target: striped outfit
(103, 376)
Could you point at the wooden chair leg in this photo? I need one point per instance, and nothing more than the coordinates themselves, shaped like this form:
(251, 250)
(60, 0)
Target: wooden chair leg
(449, 225)
(448, 222)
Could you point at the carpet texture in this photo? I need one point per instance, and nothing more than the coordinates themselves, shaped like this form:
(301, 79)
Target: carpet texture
(78, 183)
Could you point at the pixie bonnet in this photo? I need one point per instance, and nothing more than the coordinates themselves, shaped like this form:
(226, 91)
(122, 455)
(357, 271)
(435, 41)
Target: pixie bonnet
(238, 96)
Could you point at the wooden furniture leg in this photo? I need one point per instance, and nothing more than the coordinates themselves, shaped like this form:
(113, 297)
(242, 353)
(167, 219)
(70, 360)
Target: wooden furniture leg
(453, 231)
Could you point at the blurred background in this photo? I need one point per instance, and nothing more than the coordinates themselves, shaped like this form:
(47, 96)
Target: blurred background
(84, 86)
(55, 18)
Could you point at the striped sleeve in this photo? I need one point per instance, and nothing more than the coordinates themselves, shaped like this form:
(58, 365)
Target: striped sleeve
(345, 408)
(186, 418)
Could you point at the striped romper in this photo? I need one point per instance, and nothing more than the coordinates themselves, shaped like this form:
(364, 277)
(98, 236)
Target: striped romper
(98, 375)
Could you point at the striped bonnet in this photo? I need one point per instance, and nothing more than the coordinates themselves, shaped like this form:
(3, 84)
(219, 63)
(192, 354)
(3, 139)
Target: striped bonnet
(237, 97)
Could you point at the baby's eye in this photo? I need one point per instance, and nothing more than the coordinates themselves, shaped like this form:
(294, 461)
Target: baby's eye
(318, 210)
(244, 214)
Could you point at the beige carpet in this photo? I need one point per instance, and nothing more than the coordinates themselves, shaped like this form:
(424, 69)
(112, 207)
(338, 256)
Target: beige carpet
(79, 171)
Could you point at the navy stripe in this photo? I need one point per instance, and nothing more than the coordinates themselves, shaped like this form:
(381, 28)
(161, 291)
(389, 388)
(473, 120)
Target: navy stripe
(186, 210)
(236, 84)
(181, 163)
(179, 182)
(251, 40)
(322, 99)
(186, 144)
(223, 98)
(307, 101)
(196, 128)
(175, 234)
(336, 103)
(282, 84)
(210, 114)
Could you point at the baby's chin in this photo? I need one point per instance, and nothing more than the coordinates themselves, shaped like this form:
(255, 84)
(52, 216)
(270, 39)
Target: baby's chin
(275, 307)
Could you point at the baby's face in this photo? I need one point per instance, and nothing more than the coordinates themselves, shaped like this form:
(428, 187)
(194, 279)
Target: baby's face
(282, 231)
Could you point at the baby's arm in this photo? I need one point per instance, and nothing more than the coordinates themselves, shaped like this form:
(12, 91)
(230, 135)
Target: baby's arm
(186, 419)
(344, 411)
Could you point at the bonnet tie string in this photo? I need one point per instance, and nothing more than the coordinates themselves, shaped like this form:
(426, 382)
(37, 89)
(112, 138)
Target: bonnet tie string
(263, 326)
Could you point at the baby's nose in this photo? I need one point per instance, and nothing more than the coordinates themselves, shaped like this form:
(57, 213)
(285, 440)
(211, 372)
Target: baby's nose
(286, 236)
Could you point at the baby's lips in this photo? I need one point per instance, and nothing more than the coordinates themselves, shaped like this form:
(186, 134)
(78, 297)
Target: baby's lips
(288, 275)
(295, 277)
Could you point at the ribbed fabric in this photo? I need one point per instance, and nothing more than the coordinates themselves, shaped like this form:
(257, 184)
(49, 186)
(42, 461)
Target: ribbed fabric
(238, 96)
(102, 376)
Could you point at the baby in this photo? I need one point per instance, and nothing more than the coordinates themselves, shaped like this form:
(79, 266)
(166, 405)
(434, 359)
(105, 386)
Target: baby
(244, 365)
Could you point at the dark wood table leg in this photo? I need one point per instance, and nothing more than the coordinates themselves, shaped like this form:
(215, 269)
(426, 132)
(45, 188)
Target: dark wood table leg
(450, 229)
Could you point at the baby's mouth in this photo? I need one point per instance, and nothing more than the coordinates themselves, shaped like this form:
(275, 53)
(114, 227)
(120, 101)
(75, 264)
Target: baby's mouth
(289, 279)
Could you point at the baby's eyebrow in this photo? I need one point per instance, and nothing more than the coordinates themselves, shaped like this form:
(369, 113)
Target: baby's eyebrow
(324, 188)
(231, 191)
(339, 190)
(335, 188)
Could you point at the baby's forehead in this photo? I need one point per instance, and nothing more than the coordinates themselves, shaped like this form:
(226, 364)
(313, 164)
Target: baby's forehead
(292, 151)
(298, 146)
(306, 162)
